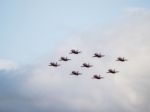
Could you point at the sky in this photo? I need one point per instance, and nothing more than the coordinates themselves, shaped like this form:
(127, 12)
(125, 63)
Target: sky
(36, 32)
(31, 28)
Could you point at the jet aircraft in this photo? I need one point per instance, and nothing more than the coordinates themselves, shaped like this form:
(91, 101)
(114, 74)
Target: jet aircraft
(73, 51)
(54, 64)
(97, 77)
(64, 59)
(87, 65)
(75, 73)
(122, 59)
(113, 71)
(98, 55)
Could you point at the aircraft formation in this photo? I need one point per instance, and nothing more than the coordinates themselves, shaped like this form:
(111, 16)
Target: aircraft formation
(87, 65)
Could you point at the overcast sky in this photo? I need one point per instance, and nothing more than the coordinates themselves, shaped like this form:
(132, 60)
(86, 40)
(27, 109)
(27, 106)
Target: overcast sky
(35, 32)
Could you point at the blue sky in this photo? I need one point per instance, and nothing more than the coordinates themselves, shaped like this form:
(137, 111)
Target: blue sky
(32, 28)
(36, 32)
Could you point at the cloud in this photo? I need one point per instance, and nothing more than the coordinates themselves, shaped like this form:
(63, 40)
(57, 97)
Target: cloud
(42, 89)
(7, 64)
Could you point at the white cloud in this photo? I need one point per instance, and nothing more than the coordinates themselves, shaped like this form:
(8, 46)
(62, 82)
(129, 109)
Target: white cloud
(7, 64)
(53, 89)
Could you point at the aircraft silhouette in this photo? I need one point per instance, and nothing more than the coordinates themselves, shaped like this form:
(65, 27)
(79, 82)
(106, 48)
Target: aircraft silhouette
(97, 77)
(54, 64)
(87, 65)
(122, 59)
(75, 73)
(74, 51)
(98, 55)
(112, 71)
(64, 59)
